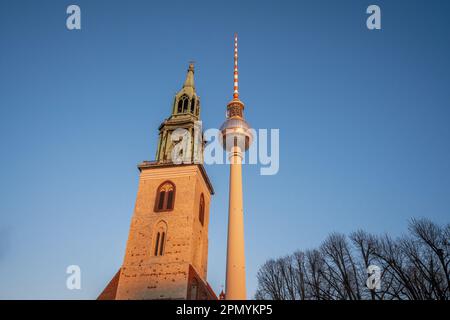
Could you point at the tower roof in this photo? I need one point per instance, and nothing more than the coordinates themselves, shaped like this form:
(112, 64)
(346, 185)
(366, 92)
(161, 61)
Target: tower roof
(189, 82)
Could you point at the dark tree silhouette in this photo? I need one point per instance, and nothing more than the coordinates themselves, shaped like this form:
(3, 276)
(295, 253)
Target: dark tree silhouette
(412, 267)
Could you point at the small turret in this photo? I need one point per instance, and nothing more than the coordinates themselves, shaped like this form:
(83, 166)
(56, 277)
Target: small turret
(185, 114)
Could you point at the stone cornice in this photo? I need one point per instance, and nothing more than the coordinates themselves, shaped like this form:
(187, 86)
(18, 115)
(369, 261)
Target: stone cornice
(156, 165)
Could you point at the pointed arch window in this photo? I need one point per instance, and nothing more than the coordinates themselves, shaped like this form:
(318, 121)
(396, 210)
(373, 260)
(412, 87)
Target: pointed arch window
(192, 105)
(183, 104)
(201, 210)
(165, 197)
(160, 235)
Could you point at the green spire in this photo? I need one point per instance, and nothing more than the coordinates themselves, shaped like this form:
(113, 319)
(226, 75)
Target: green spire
(189, 82)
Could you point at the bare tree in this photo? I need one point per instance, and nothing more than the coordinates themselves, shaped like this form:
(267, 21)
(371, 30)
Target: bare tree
(340, 269)
(270, 285)
(413, 267)
(365, 246)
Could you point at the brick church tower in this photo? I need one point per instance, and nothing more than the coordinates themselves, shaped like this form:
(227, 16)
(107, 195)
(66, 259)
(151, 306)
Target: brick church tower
(167, 249)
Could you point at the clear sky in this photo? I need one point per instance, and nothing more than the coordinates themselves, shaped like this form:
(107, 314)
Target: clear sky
(363, 118)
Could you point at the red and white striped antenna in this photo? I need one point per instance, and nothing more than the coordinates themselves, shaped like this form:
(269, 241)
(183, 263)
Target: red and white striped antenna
(236, 72)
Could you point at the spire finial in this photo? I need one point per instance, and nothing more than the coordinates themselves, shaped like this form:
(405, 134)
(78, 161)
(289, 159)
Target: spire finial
(191, 65)
(189, 82)
(236, 72)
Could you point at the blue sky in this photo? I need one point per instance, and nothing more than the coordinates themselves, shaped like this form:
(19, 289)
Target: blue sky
(363, 118)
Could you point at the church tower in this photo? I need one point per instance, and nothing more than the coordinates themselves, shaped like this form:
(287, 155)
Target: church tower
(185, 115)
(167, 249)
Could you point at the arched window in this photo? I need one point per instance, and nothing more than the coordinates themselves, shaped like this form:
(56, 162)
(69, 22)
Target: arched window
(161, 246)
(201, 211)
(165, 197)
(160, 235)
(183, 104)
(192, 105)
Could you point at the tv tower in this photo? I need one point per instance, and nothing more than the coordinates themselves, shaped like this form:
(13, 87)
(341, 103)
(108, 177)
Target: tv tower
(236, 139)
